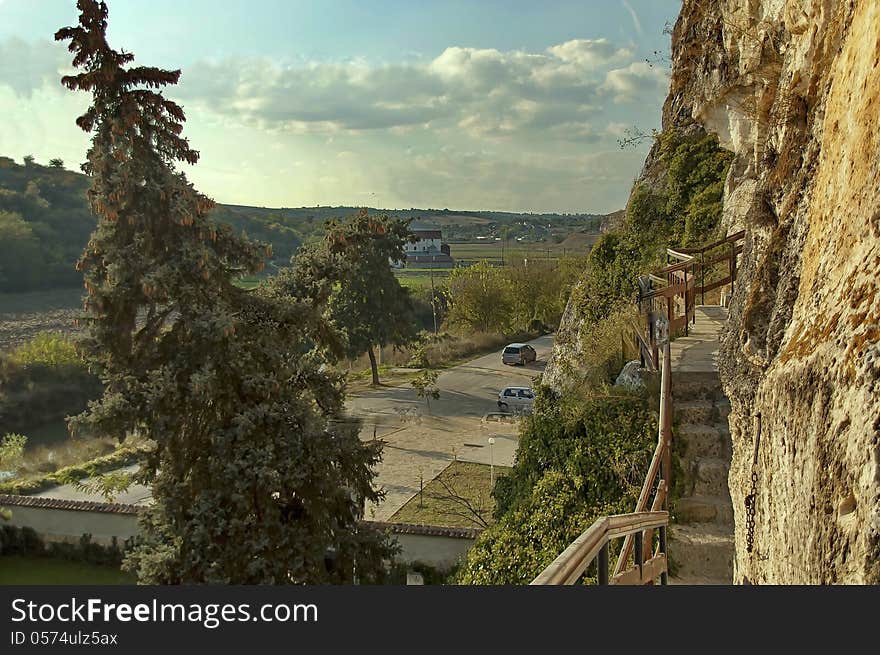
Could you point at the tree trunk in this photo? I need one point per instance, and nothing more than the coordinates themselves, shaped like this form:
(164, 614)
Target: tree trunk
(373, 366)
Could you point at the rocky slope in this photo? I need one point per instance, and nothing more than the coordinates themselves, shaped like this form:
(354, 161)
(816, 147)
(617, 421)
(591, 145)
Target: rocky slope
(793, 88)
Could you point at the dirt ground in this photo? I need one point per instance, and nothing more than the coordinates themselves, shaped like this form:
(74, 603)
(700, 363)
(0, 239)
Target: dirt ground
(24, 315)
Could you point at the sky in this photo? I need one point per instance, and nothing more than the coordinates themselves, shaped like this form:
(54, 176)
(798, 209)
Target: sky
(499, 105)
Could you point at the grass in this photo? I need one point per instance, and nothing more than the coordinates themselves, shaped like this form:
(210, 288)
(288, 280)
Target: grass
(460, 497)
(19, 569)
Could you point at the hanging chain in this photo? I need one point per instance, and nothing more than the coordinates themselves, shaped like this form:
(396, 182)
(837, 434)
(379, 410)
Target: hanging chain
(751, 499)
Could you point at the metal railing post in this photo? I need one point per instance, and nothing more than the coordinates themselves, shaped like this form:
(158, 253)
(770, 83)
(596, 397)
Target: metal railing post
(602, 564)
(639, 550)
(686, 321)
(666, 412)
(664, 577)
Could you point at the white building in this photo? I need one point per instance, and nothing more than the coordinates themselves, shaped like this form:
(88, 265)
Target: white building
(428, 250)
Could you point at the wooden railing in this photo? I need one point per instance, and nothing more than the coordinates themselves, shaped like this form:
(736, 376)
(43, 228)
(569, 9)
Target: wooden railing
(594, 543)
(637, 529)
(667, 298)
(673, 290)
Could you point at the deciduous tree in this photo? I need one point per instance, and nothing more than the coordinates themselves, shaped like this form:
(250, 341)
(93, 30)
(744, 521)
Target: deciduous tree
(480, 298)
(367, 302)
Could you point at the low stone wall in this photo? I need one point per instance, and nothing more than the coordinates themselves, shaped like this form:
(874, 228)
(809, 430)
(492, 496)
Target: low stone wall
(54, 519)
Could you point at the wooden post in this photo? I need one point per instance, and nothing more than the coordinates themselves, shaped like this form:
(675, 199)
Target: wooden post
(666, 419)
(732, 266)
(702, 280)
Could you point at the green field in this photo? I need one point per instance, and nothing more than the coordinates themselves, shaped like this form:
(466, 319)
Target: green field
(17, 569)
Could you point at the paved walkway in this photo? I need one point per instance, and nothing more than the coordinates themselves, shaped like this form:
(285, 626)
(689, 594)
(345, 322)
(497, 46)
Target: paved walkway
(698, 352)
(418, 445)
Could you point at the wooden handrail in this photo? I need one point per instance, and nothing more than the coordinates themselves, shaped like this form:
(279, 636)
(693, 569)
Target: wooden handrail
(662, 454)
(574, 560)
(680, 281)
(637, 529)
(736, 236)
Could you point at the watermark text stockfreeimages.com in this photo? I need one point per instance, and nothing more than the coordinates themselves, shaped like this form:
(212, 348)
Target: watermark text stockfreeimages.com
(209, 615)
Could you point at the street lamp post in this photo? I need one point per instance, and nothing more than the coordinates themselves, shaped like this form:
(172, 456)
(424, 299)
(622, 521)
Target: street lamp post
(491, 462)
(433, 297)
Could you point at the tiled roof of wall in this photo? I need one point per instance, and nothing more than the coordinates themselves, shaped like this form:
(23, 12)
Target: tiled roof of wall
(62, 503)
(43, 502)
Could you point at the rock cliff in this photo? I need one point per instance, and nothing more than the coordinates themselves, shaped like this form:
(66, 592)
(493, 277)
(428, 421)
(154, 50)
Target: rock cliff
(792, 87)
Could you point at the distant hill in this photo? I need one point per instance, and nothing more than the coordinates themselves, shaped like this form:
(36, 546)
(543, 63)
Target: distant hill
(45, 223)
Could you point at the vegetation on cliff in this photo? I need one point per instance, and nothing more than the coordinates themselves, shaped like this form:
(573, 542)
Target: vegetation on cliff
(584, 454)
(679, 207)
(577, 461)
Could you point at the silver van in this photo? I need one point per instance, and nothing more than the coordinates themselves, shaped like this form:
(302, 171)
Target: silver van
(518, 353)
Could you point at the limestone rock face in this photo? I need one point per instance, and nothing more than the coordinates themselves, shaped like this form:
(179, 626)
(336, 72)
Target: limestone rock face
(793, 88)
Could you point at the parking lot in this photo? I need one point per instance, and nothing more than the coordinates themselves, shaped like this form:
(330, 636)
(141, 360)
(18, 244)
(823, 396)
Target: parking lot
(420, 445)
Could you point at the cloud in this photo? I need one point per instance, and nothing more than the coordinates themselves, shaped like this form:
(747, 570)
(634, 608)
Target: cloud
(637, 79)
(589, 52)
(470, 127)
(487, 92)
(28, 66)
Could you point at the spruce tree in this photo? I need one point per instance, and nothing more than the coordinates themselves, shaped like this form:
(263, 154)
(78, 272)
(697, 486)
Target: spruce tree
(257, 476)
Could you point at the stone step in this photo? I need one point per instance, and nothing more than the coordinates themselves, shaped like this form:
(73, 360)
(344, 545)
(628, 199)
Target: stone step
(696, 387)
(701, 554)
(696, 441)
(703, 509)
(695, 411)
(711, 477)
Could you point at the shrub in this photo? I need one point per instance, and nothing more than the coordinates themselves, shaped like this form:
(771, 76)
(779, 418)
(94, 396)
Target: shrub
(48, 350)
(577, 461)
(684, 209)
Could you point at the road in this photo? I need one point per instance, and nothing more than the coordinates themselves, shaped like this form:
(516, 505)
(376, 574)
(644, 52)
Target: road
(419, 445)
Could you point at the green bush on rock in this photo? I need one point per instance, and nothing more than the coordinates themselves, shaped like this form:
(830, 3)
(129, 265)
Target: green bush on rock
(577, 461)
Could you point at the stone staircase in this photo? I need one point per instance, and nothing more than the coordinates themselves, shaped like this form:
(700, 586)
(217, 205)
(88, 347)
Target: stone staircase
(701, 533)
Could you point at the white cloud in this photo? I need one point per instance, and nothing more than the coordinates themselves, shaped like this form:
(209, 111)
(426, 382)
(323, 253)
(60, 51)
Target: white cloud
(28, 66)
(589, 52)
(637, 79)
(490, 93)
(471, 127)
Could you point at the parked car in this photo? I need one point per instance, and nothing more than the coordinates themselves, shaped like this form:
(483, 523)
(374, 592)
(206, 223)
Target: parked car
(519, 399)
(518, 353)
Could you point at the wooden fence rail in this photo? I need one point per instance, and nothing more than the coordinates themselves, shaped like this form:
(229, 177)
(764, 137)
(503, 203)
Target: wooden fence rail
(667, 299)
